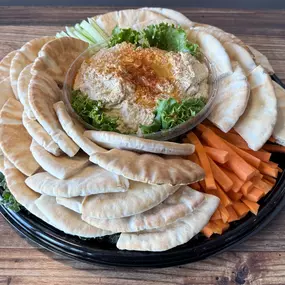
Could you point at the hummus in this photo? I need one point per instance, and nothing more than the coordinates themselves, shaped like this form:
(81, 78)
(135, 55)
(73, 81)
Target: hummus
(130, 80)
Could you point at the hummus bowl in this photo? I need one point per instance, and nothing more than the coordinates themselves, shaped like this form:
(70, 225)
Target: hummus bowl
(130, 115)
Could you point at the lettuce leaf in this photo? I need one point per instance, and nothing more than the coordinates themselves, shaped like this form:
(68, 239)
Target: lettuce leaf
(93, 112)
(170, 113)
(163, 36)
(7, 199)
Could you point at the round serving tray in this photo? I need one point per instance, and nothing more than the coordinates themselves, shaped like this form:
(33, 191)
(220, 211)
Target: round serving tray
(103, 250)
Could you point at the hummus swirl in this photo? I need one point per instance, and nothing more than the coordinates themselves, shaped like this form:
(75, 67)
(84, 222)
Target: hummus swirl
(130, 80)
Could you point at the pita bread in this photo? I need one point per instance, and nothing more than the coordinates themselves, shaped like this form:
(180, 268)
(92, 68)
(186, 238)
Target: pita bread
(37, 132)
(60, 167)
(56, 57)
(75, 130)
(125, 19)
(22, 193)
(231, 100)
(6, 91)
(115, 140)
(142, 25)
(14, 139)
(262, 60)
(22, 89)
(257, 122)
(279, 129)
(89, 180)
(43, 93)
(219, 34)
(241, 55)
(139, 198)
(174, 234)
(176, 206)
(74, 204)
(149, 168)
(66, 220)
(178, 17)
(213, 50)
(5, 64)
(24, 56)
(2, 163)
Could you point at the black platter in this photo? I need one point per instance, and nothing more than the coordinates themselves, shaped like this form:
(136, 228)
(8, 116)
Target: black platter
(103, 250)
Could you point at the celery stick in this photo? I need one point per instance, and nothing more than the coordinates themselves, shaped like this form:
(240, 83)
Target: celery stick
(103, 35)
(82, 31)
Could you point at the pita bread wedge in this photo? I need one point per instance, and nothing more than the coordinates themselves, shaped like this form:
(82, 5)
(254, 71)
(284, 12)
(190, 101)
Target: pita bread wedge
(174, 234)
(279, 129)
(257, 122)
(140, 197)
(125, 19)
(14, 139)
(262, 60)
(66, 220)
(5, 64)
(219, 34)
(213, 50)
(178, 17)
(149, 168)
(74, 204)
(37, 132)
(241, 55)
(56, 57)
(22, 193)
(6, 91)
(25, 56)
(176, 206)
(88, 181)
(231, 100)
(22, 89)
(75, 130)
(115, 140)
(60, 167)
(43, 93)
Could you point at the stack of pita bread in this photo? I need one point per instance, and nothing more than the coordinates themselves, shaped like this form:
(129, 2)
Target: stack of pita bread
(96, 183)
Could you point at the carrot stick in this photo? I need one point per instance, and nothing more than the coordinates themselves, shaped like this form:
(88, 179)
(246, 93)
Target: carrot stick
(237, 183)
(242, 169)
(262, 185)
(255, 194)
(280, 170)
(235, 139)
(209, 178)
(269, 179)
(207, 231)
(272, 139)
(234, 196)
(252, 160)
(216, 215)
(232, 214)
(215, 228)
(253, 206)
(274, 148)
(223, 226)
(265, 168)
(224, 213)
(241, 209)
(246, 187)
(195, 186)
(262, 155)
(225, 200)
(272, 164)
(217, 155)
(224, 181)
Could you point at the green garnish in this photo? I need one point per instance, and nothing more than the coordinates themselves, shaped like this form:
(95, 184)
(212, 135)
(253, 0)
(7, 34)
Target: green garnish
(163, 36)
(93, 112)
(170, 113)
(7, 199)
